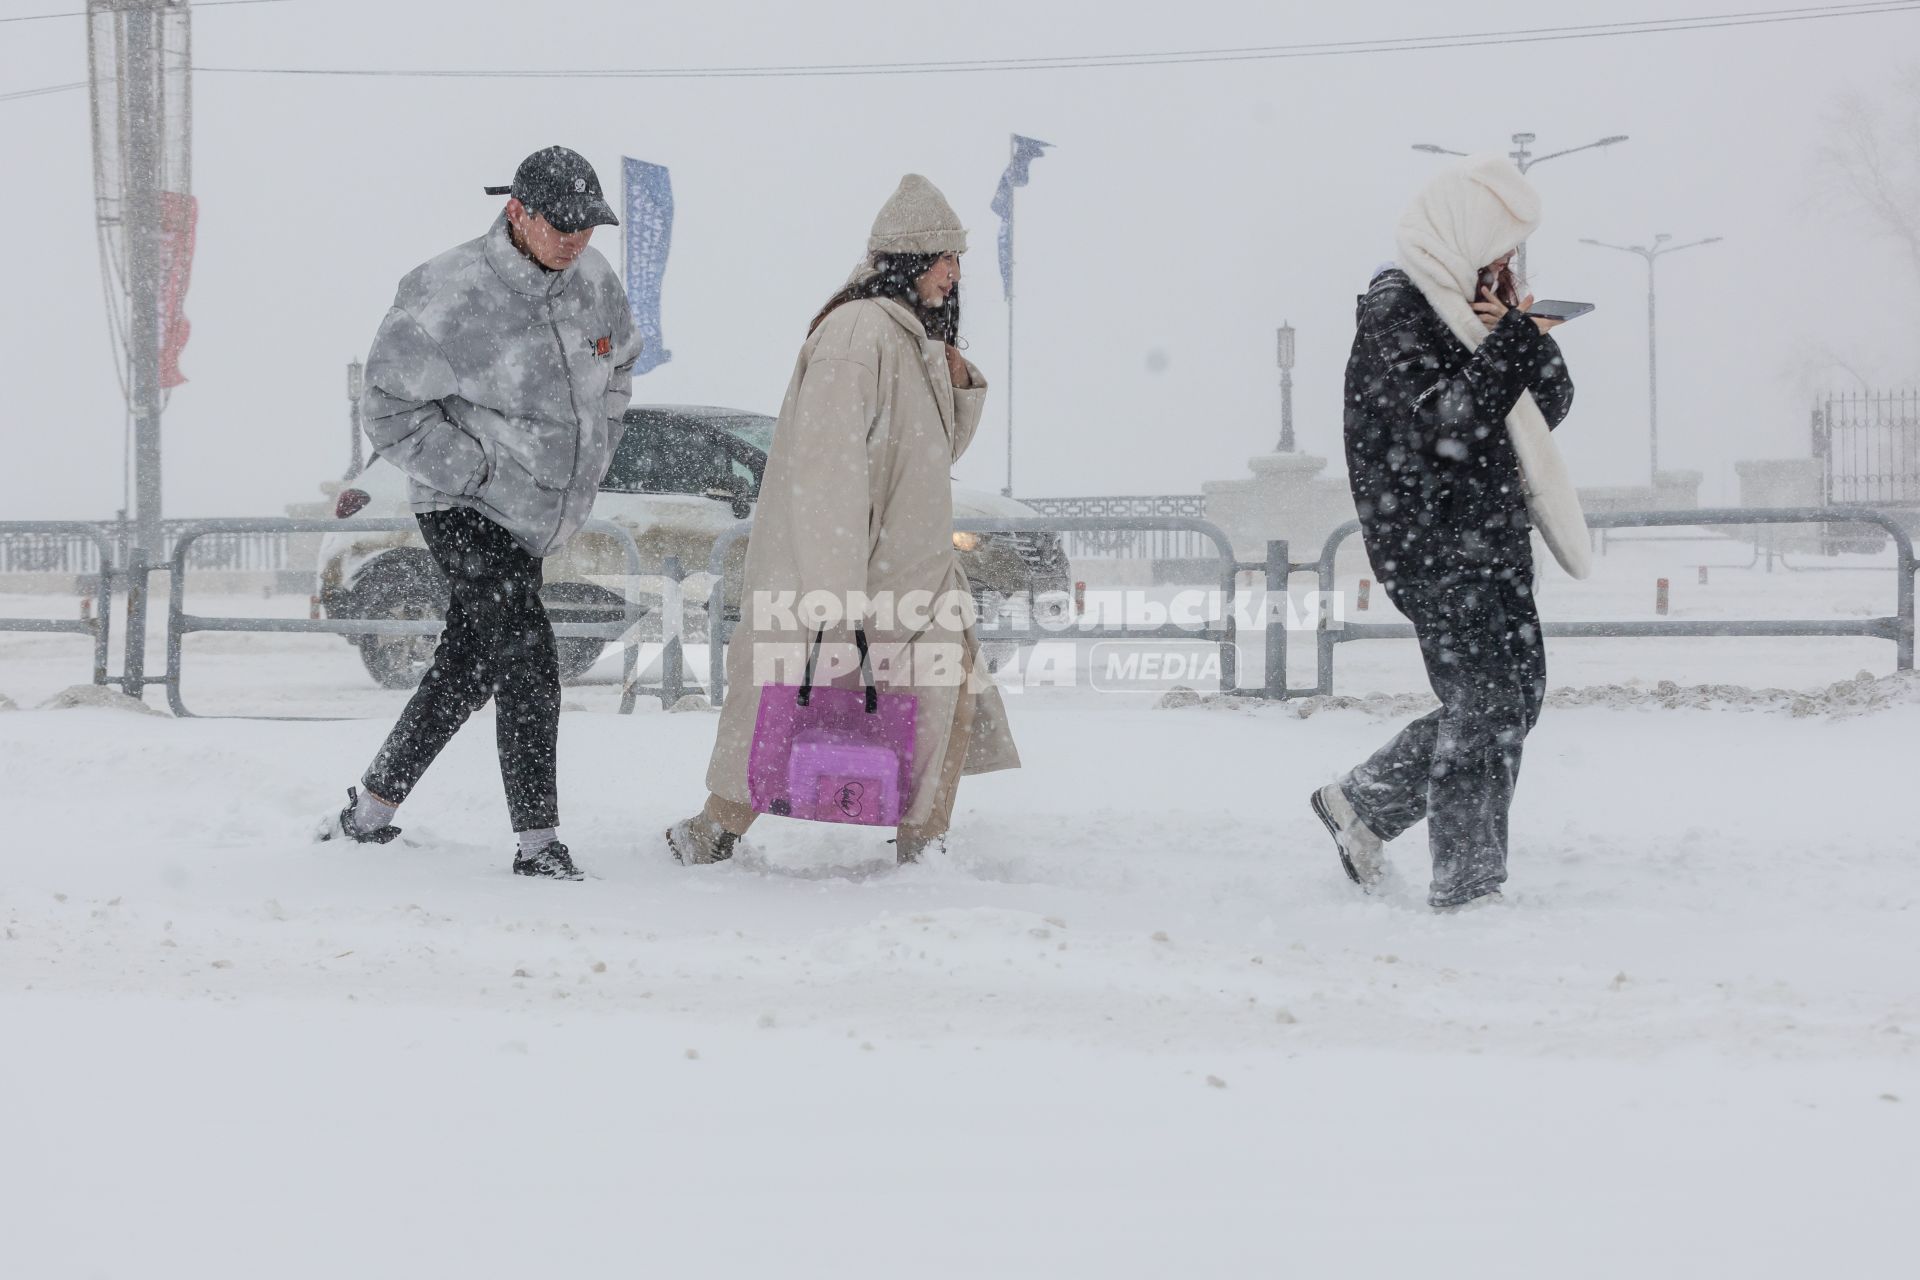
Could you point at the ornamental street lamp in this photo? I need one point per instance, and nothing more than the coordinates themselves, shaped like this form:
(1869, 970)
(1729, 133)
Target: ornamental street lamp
(1524, 160)
(1659, 248)
(1286, 389)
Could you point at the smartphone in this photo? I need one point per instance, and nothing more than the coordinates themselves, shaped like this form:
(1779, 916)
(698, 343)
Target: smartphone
(1553, 309)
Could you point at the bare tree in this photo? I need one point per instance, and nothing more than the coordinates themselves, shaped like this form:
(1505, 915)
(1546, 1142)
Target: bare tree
(1872, 153)
(1867, 172)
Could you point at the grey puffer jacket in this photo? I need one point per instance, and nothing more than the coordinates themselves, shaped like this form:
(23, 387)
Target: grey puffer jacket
(497, 385)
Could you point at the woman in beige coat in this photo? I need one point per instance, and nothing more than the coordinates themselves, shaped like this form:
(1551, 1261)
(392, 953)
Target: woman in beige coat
(854, 529)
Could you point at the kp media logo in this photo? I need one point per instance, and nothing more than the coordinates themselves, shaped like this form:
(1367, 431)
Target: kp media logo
(1129, 666)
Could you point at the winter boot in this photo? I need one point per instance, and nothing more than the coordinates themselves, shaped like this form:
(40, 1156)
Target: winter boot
(1491, 898)
(699, 841)
(1361, 852)
(340, 826)
(553, 862)
(909, 849)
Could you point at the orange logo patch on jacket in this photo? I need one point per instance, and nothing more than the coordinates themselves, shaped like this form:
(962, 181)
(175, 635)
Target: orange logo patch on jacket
(603, 346)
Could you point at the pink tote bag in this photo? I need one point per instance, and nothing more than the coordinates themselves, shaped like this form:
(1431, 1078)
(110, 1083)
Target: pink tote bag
(833, 755)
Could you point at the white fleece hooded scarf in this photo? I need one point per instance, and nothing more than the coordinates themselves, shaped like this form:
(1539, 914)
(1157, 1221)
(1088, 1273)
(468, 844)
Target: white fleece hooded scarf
(1471, 214)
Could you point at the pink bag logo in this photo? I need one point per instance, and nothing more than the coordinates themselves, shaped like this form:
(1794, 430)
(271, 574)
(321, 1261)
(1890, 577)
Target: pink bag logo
(847, 799)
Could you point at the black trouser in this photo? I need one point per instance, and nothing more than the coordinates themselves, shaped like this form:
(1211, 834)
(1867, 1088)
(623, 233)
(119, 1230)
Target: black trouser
(1456, 767)
(498, 644)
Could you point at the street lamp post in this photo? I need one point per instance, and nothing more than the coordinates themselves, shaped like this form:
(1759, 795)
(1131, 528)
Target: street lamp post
(1286, 389)
(1524, 160)
(356, 383)
(1659, 248)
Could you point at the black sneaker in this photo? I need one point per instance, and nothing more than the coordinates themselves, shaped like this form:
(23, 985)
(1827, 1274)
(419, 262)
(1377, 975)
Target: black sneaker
(551, 863)
(340, 826)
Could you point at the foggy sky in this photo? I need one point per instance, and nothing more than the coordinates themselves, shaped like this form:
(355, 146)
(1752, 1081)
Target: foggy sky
(1184, 213)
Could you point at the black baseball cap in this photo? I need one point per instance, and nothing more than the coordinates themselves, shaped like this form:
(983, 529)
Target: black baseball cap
(558, 184)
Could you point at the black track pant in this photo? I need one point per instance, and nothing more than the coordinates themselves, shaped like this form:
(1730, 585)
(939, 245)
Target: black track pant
(1457, 767)
(498, 644)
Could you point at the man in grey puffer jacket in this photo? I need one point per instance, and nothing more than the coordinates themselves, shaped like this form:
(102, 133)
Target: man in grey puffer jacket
(497, 383)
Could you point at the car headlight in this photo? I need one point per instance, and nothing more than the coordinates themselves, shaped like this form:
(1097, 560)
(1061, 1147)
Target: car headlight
(963, 541)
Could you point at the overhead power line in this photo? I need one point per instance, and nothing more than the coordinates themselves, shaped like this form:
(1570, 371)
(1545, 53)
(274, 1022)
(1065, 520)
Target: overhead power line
(1071, 62)
(81, 13)
(42, 90)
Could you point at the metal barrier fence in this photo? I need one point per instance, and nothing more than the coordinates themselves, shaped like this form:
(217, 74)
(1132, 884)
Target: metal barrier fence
(63, 532)
(83, 547)
(180, 623)
(1899, 627)
(76, 548)
(1225, 634)
(1868, 443)
(241, 550)
(1764, 549)
(1160, 542)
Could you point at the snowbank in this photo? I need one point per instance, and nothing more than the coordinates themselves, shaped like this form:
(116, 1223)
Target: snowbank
(1862, 695)
(1136, 1023)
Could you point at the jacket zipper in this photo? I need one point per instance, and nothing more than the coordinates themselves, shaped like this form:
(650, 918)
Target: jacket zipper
(573, 468)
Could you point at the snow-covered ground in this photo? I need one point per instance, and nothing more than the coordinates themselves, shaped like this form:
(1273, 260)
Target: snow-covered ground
(1135, 1023)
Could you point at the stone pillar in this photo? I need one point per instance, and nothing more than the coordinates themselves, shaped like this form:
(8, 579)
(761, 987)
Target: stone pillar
(1783, 482)
(1676, 491)
(303, 549)
(1670, 491)
(1286, 497)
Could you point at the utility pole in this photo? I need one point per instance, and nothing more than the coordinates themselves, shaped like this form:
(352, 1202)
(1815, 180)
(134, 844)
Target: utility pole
(1286, 389)
(140, 144)
(141, 147)
(1651, 253)
(139, 59)
(1524, 159)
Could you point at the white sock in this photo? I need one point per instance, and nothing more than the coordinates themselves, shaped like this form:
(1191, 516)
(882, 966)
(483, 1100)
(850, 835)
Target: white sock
(532, 842)
(370, 812)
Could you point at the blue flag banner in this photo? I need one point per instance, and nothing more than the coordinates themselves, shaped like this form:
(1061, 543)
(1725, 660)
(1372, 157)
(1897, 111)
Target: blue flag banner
(649, 230)
(1025, 152)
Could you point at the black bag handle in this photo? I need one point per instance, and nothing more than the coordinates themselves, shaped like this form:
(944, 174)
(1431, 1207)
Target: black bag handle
(805, 697)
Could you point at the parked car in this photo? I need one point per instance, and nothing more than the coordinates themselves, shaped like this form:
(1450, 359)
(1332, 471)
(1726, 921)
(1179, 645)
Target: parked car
(682, 477)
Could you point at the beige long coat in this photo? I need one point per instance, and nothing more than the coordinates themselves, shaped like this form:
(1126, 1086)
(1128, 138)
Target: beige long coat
(858, 498)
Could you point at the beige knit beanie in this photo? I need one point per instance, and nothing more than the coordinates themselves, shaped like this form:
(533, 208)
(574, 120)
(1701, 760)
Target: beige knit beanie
(917, 219)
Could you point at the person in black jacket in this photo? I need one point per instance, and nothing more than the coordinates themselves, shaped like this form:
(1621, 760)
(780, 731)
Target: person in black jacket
(1443, 512)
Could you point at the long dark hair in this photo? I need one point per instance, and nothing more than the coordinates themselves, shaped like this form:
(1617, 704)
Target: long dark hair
(893, 277)
(1506, 286)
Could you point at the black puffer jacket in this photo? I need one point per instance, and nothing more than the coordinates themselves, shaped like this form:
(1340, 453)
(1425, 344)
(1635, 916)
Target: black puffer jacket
(1434, 475)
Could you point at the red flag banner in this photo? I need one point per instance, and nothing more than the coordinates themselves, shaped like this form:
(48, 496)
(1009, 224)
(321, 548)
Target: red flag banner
(179, 215)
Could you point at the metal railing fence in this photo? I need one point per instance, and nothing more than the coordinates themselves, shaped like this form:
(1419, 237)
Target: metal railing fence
(1329, 632)
(83, 547)
(1224, 633)
(180, 623)
(58, 547)
(1868, 443)
(100, 624)
(1897, 627)
(1110, 542)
